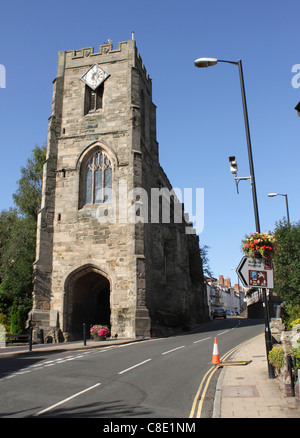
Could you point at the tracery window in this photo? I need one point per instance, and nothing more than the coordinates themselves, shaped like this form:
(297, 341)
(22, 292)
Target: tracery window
(97, 179)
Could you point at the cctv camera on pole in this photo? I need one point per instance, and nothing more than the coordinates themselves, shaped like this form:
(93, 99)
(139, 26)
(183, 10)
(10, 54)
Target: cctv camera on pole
(234, 169)
(233, 165)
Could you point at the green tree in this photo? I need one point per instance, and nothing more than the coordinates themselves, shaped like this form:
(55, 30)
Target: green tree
(18, 241)
(287, 262)
(28, 195)
(205, 260)
(17, 257)
(8, 223)
(17, 318)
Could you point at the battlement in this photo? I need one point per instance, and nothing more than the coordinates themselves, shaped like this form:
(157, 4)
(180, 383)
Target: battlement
(142, 67)
(104, 49)
(106, 54)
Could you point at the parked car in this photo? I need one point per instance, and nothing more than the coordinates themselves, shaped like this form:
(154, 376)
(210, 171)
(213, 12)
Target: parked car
(219, 312)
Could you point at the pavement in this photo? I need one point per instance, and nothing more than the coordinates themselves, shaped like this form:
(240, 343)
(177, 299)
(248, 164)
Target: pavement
(243, 391)
(18, 350)
(246, 391)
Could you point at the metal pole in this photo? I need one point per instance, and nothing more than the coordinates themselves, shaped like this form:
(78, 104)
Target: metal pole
(253, 186)
(255, 205)
(287, 208)
(268, 337)
(30, 337)
(84, 334)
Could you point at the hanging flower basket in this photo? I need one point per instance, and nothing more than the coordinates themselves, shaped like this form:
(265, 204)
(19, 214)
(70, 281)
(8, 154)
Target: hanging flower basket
(99, 332)
(259, 245)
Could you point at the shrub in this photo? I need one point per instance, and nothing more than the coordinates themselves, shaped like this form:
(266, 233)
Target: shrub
(5, 321)
(291, 313)
(276, 356)
(296, 353)
(295, 322)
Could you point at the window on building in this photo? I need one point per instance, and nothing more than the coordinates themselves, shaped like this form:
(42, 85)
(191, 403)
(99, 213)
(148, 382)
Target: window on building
(97, 179)
(93, 99)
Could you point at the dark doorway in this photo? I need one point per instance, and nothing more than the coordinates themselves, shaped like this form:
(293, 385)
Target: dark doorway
(91, 302)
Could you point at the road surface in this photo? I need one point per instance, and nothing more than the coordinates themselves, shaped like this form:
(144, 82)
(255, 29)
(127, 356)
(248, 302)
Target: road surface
(157, 378)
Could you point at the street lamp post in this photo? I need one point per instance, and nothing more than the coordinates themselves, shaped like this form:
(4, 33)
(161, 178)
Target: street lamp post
(271, 195)
(208, 62)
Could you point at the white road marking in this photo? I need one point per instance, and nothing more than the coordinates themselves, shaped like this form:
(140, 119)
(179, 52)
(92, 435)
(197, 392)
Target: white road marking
(201, 340)
(66, 400)
(134, 366)
(174, 349)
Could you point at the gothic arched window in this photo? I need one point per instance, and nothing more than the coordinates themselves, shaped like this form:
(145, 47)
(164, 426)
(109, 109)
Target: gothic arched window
(97, 179)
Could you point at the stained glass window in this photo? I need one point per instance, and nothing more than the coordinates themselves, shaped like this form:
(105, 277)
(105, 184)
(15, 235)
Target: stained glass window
(88, 186)
(107, 184)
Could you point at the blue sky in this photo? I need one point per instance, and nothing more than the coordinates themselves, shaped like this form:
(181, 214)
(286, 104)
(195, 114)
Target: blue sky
(199, 111)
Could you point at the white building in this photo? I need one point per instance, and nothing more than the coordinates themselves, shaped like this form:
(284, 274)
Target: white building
(221, 294)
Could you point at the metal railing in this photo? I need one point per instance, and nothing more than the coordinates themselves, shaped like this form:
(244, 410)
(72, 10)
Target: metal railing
(27, 337)
(293, 366)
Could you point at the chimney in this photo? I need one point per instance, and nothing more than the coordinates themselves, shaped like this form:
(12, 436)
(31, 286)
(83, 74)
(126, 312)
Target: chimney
(227, 282)
(221, 280)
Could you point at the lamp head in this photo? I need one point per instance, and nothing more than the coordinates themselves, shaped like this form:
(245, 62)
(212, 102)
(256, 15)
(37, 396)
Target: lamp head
(271, 195)
(205, 62)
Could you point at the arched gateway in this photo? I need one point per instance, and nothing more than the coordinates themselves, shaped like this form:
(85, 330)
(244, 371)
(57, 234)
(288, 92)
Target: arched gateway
(87, 300)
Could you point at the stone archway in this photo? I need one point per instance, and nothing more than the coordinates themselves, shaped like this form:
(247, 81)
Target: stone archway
(87, 300)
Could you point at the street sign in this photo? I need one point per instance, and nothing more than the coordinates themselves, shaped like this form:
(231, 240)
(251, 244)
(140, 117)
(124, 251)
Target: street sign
(257, 278)
(256, 272)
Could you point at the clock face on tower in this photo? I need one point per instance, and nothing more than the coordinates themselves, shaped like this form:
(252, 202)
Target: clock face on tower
(95, 76)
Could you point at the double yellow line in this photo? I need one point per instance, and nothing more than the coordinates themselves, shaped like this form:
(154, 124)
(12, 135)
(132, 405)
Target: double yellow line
(201, 393)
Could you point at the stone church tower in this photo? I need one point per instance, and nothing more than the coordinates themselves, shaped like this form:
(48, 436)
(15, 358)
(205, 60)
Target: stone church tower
(101, 257)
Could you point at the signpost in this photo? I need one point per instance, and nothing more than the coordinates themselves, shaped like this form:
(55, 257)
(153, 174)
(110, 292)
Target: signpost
(259, 273)
(256, 272)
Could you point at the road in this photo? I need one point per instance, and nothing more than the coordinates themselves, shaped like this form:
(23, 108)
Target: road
(156, 378)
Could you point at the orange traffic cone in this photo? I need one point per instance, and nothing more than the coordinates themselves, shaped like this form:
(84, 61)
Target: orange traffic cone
(215, 356)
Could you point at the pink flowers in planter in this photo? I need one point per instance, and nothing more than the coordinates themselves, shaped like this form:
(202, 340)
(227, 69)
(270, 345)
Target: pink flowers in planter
(99, 330)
